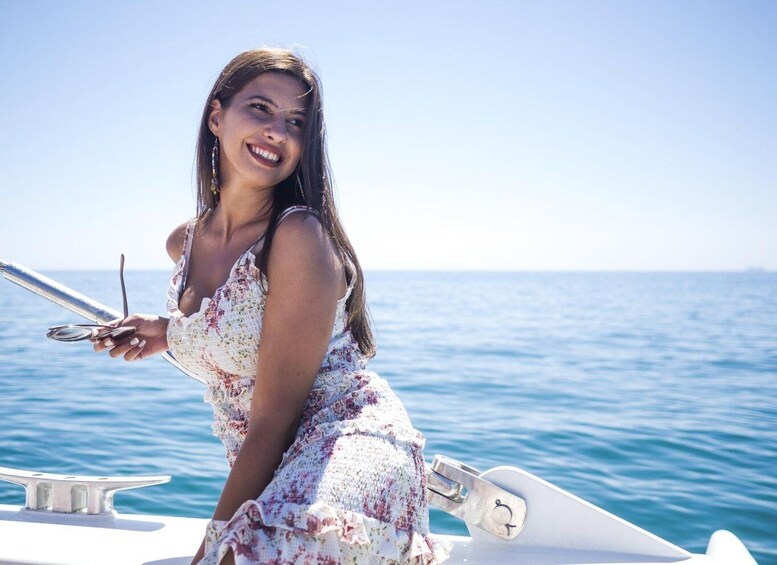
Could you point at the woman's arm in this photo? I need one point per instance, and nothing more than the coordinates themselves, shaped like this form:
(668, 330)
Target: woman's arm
(305, 281)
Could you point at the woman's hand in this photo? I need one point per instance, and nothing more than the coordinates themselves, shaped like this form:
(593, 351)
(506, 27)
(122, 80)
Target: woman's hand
(149, 338)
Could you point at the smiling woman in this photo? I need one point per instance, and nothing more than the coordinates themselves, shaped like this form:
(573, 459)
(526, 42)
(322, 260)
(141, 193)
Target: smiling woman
(267, 305)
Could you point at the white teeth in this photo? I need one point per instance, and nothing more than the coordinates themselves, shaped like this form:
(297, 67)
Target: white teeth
(266, 154)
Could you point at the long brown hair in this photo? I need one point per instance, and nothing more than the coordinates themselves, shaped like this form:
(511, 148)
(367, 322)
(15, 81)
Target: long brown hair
(313, 170)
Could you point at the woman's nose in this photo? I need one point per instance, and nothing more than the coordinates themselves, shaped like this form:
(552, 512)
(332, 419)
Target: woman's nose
(276, 129)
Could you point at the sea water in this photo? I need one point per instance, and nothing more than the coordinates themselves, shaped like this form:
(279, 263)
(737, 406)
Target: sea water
(651, 395)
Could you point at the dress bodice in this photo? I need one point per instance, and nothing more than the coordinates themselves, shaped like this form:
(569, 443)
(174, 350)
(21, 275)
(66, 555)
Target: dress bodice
(220, 341)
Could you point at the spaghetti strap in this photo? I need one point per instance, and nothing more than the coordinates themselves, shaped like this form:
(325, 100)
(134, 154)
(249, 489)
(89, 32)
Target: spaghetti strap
(290, 210)
(187, 250)
(256, 247)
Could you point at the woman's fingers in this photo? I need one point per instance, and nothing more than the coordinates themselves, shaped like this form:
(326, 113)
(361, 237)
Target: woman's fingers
(130, 349)
(105, 343)
(102, 344)
(148, 338)
(124, 347)
(135, 353)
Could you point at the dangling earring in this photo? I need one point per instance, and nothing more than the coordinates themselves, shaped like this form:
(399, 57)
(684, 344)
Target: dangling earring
(215, 184)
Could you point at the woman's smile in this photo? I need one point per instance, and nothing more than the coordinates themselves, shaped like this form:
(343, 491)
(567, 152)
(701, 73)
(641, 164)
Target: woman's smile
(265, 156)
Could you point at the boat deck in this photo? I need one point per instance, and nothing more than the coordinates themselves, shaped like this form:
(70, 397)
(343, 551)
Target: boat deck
(28, 537)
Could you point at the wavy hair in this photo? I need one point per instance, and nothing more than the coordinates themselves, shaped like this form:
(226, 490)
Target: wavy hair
(313, 170)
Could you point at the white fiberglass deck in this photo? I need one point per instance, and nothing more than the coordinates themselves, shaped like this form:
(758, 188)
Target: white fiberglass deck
(28, 537)
(559, 528)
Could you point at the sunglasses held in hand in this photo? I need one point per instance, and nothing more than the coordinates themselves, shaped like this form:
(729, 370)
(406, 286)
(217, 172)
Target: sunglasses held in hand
(80, 332)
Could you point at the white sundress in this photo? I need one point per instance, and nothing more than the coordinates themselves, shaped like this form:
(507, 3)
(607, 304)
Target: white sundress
(351, 488)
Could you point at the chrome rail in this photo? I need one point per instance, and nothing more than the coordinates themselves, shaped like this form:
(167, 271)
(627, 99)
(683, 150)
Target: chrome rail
(71, 300)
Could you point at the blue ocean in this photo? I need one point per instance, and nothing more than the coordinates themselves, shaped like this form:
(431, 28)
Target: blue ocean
(651, 395)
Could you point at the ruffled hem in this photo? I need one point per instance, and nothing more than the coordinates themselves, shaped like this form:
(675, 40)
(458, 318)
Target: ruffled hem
(359, 537)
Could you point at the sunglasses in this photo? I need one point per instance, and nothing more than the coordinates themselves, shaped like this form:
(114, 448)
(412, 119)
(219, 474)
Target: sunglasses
(80, 332)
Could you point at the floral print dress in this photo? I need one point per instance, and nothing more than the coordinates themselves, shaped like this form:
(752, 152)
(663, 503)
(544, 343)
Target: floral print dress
(351, 488)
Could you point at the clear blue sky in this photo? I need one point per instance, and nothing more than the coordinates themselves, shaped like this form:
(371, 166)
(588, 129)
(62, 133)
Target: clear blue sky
(464, 135)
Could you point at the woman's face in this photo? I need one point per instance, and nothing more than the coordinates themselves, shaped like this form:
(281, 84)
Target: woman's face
(260, 132)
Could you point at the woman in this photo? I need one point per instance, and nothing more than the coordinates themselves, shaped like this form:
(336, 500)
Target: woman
(267, 304)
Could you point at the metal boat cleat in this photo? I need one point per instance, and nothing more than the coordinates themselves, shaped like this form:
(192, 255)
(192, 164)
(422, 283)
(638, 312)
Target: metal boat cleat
(71, 493)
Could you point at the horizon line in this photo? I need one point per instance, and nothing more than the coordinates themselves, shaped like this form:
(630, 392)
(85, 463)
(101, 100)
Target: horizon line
(751, 270)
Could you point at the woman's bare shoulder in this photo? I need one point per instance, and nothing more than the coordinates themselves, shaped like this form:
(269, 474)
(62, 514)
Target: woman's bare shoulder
(176, 240)
(302, 231)
(302, 245)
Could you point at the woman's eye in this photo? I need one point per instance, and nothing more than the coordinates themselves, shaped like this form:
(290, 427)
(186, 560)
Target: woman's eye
(298, 123)
(262, 107)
